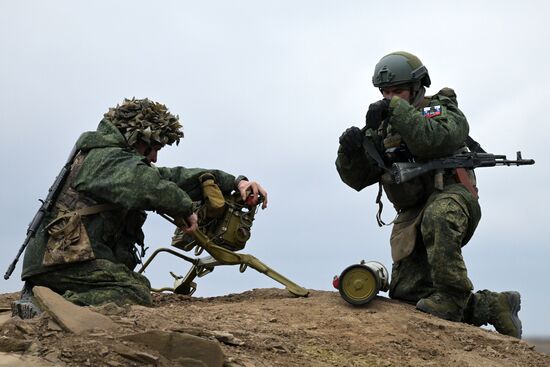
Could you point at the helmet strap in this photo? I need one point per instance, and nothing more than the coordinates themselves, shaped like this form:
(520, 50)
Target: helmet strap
(418, 91)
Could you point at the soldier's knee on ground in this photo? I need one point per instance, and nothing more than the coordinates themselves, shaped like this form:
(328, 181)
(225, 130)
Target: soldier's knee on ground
(131, 294)
(411, 278)
(445, 306)
(98, 282)
(114, 283)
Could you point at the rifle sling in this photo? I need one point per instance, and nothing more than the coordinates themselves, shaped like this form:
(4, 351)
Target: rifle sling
(95, 209)
(379, 219)
(474, 145)
(372, 152)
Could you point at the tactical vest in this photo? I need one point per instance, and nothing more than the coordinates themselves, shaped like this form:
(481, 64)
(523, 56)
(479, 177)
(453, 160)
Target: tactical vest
(416, 191)
(68, 240)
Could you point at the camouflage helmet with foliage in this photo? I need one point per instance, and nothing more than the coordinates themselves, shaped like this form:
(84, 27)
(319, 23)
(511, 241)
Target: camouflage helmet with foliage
(398, 68)
(145, 120)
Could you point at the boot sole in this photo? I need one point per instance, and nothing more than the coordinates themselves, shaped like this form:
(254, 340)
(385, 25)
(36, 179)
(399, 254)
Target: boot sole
(514, 301)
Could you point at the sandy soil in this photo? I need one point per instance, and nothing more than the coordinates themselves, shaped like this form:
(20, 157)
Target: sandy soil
(269, 327)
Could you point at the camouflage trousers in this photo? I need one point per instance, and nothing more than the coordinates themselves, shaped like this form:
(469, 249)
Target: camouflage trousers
(97, 282)
(436, 263)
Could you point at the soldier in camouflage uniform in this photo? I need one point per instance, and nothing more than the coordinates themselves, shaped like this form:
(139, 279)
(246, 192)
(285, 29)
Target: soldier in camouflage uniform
(85, 248)
(437, 212)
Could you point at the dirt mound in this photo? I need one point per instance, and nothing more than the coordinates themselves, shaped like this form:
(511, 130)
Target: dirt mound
(269, 327)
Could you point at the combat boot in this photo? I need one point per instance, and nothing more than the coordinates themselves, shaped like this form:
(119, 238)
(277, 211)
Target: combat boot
(498, 309)
(25, 307)
(442, 306)
(504, 314)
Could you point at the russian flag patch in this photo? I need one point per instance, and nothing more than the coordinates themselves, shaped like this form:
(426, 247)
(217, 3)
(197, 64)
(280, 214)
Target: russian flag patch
(431, 111)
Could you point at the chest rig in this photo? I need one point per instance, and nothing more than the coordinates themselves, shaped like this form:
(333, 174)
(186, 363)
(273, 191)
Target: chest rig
(68, 240)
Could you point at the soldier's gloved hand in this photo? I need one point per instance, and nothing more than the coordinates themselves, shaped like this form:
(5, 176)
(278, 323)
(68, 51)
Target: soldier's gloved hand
(351, 140)
(378, 111)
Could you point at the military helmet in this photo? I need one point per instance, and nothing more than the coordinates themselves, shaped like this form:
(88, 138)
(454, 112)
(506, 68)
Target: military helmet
(145, 120)
(400, 67)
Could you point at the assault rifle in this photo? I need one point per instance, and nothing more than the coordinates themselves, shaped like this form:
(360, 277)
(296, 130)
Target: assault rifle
(45, 208)
(406, 171)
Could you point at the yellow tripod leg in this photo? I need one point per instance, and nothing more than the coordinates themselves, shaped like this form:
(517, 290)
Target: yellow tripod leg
(228, 257)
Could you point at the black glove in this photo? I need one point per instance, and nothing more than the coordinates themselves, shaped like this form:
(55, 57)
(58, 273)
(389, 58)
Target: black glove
(378, 112)
(351, 140)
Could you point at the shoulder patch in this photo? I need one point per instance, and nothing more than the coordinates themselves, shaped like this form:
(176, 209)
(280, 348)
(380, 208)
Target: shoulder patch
(431, 111)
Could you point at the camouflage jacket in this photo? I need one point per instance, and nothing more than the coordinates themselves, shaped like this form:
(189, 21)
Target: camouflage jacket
(437, 128)
(111, 172)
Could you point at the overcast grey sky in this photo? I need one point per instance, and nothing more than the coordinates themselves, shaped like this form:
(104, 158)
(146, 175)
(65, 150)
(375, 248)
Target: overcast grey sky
(265, 88)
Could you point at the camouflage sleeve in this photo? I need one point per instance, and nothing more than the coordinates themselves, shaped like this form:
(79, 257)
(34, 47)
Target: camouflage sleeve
(123, 178)
(359, 170)
(432, 137)
(187, 179)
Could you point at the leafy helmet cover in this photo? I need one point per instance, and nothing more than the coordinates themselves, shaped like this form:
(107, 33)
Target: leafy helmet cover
(146, 120)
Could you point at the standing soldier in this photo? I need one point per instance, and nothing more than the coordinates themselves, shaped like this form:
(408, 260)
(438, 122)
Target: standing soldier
(438, 212)
(86, 247)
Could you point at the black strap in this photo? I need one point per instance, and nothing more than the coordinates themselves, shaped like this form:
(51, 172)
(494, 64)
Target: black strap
(380, 206)
(371, 150)
(474, 145)
(379, 219)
